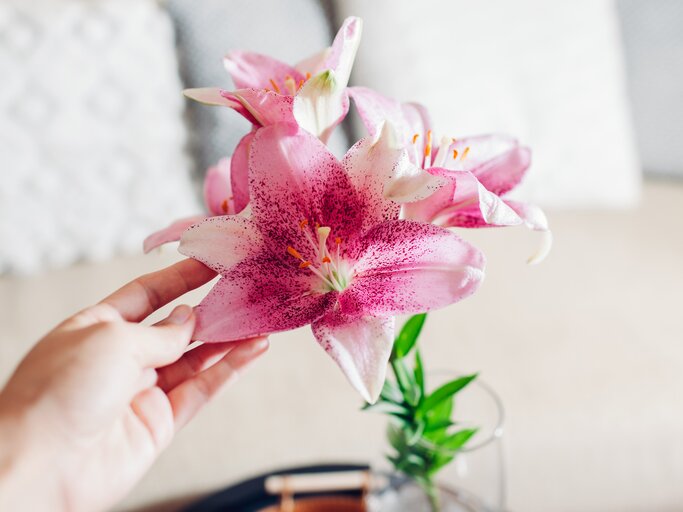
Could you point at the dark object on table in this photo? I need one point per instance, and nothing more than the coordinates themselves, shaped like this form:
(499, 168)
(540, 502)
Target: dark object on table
(251, 495)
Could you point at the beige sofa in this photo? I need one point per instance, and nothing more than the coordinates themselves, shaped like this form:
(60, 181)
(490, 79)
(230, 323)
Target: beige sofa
(585, 350)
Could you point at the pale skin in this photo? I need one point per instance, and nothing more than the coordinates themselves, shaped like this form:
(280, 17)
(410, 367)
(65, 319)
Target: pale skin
(97, 400)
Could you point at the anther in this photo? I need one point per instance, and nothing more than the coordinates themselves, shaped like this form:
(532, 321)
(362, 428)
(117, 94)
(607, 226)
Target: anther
(305, 264)
(293, 252)
(428, 147)
(224, 206)
(464, 153)
(338, 240)
(303, 223)
(276, 88)
(455, 154)
(326, 259)
(415, 137)
(308, 75)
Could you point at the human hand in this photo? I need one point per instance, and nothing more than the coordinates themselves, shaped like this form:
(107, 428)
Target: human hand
(94, 403)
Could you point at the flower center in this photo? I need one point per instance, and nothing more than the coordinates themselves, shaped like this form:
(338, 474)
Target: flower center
(327, 265)
(438, 158)
(290, 85)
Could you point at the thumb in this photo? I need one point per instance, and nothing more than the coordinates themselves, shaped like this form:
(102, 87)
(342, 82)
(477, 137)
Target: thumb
(166, 341)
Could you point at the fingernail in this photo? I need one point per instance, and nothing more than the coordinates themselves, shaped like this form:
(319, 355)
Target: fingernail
(180, 315)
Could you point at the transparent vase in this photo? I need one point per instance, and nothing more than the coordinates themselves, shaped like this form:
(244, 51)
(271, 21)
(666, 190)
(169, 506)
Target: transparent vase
(475, 480)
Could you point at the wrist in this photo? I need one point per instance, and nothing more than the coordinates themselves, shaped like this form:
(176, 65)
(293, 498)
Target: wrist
(24, 465)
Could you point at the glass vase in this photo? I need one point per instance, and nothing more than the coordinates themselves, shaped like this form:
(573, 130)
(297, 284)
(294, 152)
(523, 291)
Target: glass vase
(475, 480)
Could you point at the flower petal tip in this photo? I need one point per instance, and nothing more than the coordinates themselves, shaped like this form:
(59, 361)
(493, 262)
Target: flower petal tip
(543, 250)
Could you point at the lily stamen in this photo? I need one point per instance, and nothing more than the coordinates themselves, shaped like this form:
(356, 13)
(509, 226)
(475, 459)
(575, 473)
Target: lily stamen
(428, 150)
(276, 88)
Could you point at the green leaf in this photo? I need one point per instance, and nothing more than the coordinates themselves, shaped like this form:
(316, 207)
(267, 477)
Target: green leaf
(385, 407)
(438, 425)
(416, 435)
(419, 373)
(456, 441)
(391, 392)
(443, 393)
(408, 336)
(406, 382)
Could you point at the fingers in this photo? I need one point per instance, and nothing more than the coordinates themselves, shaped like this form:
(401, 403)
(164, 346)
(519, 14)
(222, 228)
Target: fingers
(152, 409)
(164, 343)
(192, 362)
(193, 394)
(141, 297)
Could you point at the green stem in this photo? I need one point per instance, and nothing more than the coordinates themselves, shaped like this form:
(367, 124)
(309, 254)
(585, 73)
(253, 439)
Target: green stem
(433, 495)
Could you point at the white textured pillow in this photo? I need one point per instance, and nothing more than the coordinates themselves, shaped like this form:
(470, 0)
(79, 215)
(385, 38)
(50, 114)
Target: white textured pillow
(547, 72)
(92, 140)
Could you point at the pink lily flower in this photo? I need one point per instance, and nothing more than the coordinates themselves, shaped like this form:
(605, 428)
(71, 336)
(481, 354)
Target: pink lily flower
(217, 197)
(453, 183)
(311, 93)
(324, 247)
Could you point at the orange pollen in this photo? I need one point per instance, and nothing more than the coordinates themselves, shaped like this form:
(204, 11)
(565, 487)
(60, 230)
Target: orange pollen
(415, 137)
(287, 77)
(293, 252)
(464, 153)
(275, 86)
(224, 206)
(338, 240)
(305, 264)
(308, 75)
(455, 154)
(326, 259)
(301, 83)
(303, 223)
(453, 140)
(265, 89)
(317, 225)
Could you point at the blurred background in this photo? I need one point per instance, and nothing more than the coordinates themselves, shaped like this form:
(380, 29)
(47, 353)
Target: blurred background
(99, 149)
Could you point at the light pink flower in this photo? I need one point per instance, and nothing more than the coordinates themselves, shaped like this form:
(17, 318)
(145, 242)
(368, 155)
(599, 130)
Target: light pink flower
(218, 198)
(312, 93)
(325, 247)
(449, 182)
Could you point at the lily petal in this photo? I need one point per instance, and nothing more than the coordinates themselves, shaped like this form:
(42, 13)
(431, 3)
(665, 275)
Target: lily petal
(217, 190)
(343, 50)
(410, 267)
(222, 242)
(315, 63)
(210, 96)
(374, 109)
(535, 219)
(370, 165)
(321, 104)
(171, 233)
(251, 300)
(239, 172)
(294, 177)
(262, 107)
(253, 70)
(497, 161)
(361, 346)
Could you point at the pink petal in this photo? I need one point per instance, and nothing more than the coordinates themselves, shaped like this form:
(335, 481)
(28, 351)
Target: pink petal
(253, 70)
(222, 242)
(294, 177)
(497, 161)
(535, 219)
(343, 50)
(370, 165)
(210, 96)
(262, 107)
(217, 189)
(410, 267)
(239, 172)
(315, 63)
(256, 298)
(171, 233)
(472, 205)
(374, 109)
(361, 346)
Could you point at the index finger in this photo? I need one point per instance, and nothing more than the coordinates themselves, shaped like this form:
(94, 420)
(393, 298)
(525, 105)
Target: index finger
(144, 295)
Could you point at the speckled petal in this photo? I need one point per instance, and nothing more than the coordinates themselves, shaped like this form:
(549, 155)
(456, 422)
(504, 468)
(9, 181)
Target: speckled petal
(239, 172)
(371, 164)
(171, 233)
(409, 267)
(253, 70)
(294, 177)
(361, 346)
(374, 109)
(222, 242)
(257, 297)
